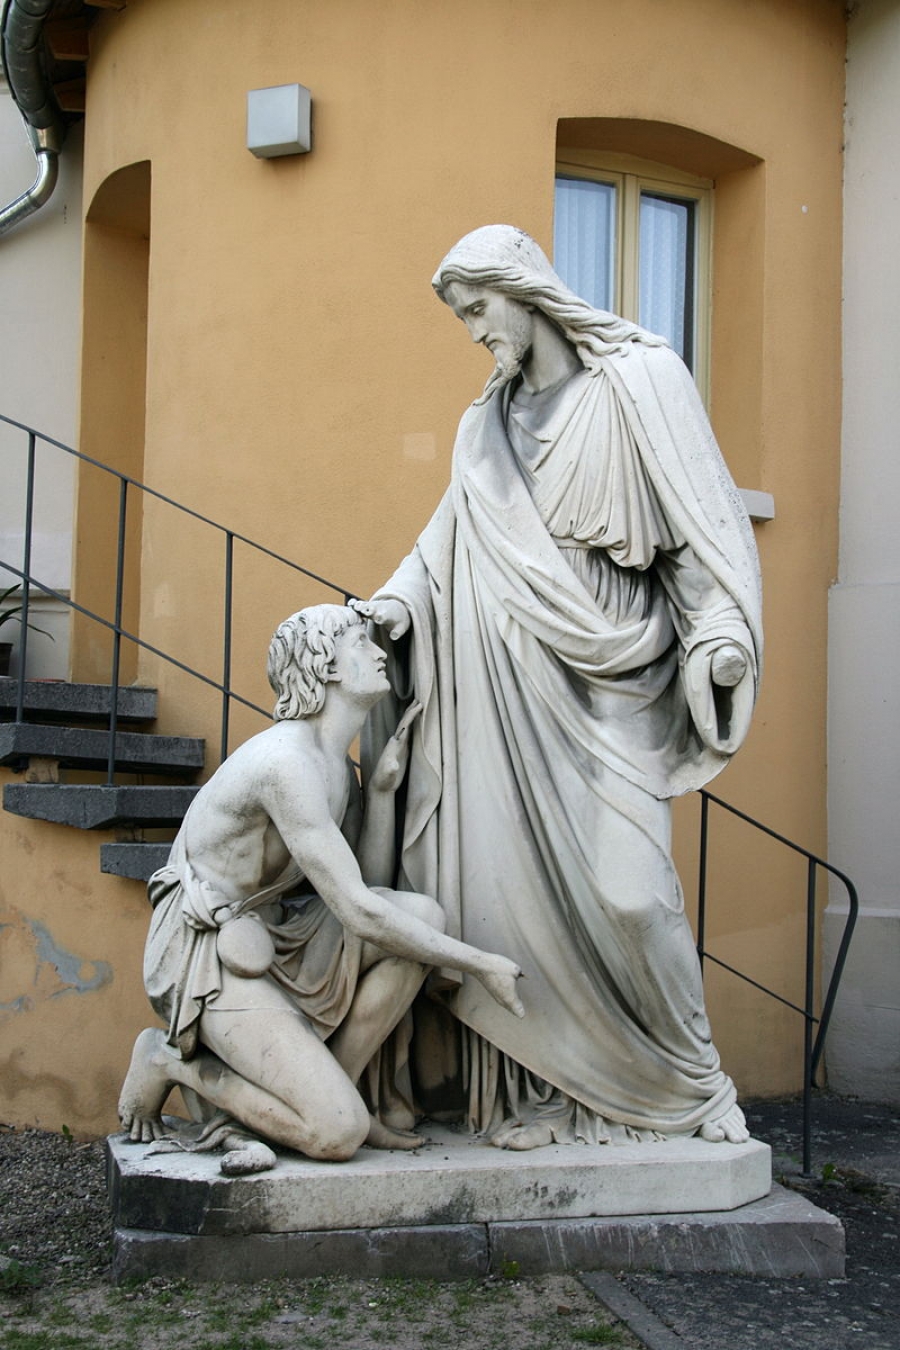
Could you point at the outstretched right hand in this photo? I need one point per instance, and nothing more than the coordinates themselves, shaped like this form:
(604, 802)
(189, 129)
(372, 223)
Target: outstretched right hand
(499, 979)
(390, 614)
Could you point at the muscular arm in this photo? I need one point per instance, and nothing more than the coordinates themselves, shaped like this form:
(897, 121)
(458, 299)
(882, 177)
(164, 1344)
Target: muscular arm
(299, 810)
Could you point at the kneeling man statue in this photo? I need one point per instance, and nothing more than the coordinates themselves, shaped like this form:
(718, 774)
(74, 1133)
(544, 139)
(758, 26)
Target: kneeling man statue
(273, 1005)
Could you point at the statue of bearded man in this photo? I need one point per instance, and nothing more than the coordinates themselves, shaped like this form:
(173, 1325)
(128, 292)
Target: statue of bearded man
(581, 622)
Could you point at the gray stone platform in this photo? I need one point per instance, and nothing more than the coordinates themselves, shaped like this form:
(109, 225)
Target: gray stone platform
(458, 1208)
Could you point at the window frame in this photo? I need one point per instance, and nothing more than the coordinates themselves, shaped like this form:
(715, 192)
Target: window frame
(631, 177)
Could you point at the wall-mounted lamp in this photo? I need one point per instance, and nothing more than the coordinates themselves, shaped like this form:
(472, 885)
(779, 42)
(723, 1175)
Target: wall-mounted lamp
(278, 121)
(760, 506)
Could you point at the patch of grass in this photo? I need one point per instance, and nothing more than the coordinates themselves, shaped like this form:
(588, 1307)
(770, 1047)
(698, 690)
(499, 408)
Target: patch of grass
(860, 1184)
(18, 1278)
(236, 1341)
(28, 1340)
(149, 1314)
(102, 1322)
(600, 1335)
(267, 1308)
(405, 1297)
(314, 1295)
(45, 1340)
(59, 1315)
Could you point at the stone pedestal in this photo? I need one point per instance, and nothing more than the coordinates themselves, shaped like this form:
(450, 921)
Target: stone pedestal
(458, 1208)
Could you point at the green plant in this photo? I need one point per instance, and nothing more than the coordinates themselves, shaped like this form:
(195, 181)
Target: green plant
(16, 1277)
(12, 610)
(600, 1335)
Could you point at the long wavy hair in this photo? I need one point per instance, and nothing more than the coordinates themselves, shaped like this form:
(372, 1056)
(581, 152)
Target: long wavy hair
(301, 658)
(509, 261)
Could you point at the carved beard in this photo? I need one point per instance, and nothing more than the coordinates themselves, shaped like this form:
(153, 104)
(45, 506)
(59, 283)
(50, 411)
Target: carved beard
(514, 344)
(510, 359)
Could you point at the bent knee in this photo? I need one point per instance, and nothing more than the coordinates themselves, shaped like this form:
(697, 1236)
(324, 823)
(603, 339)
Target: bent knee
(422, 907)
(340, 1132)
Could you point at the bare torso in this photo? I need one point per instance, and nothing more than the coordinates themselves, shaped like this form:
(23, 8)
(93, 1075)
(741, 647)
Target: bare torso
(231, 835)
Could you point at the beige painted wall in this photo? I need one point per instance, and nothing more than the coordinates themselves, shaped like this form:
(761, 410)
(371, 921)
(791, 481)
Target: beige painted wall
(303, 384)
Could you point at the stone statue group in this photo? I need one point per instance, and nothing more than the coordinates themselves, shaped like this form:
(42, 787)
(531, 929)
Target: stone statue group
(574, 640)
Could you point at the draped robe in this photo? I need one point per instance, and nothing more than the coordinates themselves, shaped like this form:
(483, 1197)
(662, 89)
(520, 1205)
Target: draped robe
(316, 960)
(567, 599)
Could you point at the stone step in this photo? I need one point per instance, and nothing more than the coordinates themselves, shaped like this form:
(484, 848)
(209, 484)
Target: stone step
(61, 701)
(82, 747)
(135, 860)
(98, 807)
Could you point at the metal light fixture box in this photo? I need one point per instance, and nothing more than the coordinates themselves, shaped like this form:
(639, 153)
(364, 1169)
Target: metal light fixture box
(278, 121)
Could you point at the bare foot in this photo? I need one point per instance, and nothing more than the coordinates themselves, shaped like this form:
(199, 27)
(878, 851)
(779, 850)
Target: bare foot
(382, 1136)
(250, 1156)
(512, 1134)
(499, 979)
(146, 1086)
(729, 1128)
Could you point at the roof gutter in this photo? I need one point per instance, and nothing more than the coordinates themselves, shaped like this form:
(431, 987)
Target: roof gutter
(23, 25)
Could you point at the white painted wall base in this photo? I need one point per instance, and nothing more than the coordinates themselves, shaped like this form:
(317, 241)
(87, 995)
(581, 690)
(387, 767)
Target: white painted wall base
(863, 1049)
(863, 1046)
(862, 1053)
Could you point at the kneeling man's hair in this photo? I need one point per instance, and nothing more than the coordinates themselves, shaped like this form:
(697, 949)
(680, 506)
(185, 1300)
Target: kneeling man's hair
(301, 658)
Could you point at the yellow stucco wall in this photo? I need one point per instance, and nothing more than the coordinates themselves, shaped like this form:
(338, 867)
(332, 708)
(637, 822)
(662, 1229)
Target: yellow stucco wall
(70, 959)
(303, 385)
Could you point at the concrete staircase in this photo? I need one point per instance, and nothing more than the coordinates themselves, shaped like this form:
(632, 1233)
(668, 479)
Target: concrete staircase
(63, 744)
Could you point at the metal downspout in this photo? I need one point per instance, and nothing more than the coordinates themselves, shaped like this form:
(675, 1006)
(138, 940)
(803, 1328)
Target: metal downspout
(23, 24)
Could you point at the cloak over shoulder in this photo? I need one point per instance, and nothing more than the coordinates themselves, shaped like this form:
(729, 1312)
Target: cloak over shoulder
(567, 599)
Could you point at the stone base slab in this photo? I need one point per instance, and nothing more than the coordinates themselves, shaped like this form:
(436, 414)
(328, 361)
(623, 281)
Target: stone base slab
(454, 1179)
(458, 1208)
(781, 1235)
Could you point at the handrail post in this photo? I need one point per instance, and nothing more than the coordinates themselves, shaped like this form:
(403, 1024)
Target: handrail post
(701, 883)
(117, 634)
(226, 645)
(837, 971)
(809, 1017)
(26, 569)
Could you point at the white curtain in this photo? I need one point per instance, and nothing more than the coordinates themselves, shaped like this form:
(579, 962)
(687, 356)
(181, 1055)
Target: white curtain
(665, 240)
(584, 239)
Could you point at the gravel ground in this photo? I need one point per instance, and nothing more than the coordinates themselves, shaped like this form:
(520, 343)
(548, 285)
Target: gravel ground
(856, 1176)
(55, 1289)
(55, 1292)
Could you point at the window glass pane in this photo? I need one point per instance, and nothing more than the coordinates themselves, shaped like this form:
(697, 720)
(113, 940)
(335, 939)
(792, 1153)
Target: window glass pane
(666, 278)
(584, 239)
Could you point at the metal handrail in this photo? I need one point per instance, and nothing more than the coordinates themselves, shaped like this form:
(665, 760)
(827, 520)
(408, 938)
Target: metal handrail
(812, 1049)
(126, 482)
